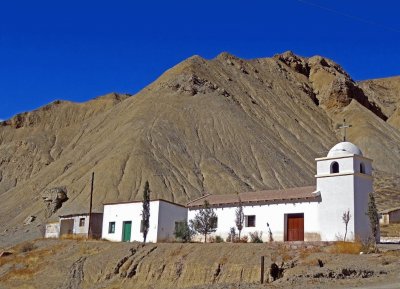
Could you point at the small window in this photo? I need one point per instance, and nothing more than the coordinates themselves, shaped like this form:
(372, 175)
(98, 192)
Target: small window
(362, 168)
(334, 168)
(111, 227)
(81, 222)
(250, 221)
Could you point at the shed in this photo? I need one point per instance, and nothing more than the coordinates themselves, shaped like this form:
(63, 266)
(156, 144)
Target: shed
(75, 224)
(389, 216)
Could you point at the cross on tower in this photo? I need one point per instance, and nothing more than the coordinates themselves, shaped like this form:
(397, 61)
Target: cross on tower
(344, 126)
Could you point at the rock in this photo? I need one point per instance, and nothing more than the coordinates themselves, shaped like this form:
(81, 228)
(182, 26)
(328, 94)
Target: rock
(5, 254)
(297, 63)
(54, 198)
(29, 220)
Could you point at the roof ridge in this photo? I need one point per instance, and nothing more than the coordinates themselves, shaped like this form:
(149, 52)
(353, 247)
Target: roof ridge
(199, 198)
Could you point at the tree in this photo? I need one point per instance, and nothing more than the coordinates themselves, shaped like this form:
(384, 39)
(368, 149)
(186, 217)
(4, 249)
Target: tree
(239, 217)
(373, 216)
(346, 219)
(231, 235)
(146, 211)
(183, 231)
(205, 221)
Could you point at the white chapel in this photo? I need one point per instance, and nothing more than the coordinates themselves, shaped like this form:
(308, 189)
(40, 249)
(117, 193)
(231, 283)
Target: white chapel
(343, 184)
(315, 213)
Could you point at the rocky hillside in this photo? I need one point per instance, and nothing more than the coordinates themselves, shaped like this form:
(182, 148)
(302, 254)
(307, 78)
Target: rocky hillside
(218, 126)
(67, 264)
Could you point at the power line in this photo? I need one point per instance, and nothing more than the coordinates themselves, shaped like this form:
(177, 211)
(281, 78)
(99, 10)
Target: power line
(363, 20)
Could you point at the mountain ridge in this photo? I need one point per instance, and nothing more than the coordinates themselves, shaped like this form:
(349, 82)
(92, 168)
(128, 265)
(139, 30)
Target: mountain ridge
(204, 126)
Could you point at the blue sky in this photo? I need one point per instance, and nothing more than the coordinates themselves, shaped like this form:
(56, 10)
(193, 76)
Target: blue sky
(77, 50)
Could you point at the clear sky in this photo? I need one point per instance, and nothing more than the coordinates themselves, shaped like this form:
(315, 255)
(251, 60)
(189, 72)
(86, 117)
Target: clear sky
(77, 50)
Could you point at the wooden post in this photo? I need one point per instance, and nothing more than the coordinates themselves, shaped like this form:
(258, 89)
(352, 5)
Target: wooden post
(90, 207)
(262, 270)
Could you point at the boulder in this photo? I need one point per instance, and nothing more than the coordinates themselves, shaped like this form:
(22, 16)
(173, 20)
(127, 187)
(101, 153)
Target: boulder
(54, 198)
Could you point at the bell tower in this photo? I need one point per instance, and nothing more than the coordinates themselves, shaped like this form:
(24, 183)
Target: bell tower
(344, 180)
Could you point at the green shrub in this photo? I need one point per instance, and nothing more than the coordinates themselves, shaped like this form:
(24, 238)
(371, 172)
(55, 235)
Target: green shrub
(183, 232)
(218, 239)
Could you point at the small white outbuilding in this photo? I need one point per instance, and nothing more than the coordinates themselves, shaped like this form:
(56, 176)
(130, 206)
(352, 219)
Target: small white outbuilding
(123, 221)
(343, 184)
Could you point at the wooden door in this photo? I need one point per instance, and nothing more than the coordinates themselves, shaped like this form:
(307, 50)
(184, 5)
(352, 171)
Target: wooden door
(295, 227)
(126, 231)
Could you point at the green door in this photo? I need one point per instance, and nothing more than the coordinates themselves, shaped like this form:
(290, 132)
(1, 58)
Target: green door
(126, 231)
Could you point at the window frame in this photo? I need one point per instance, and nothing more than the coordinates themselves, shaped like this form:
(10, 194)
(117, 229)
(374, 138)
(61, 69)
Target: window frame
(111, 227)
(82, 222)
(246, 221)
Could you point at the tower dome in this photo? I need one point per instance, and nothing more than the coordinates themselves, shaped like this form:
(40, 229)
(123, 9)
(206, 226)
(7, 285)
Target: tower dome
(344, 148)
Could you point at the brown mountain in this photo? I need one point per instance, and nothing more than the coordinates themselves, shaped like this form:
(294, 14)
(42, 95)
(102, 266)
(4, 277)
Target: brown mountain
(220, 126)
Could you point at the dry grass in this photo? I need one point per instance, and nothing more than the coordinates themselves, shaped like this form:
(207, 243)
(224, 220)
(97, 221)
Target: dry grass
(341, 247)
(27, 247)
(26, 261)
(20, 273)
(305, 252)
(281, 251)
(75, 237)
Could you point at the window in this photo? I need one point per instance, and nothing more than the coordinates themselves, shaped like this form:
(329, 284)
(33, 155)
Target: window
(362, 168)
(250, 221)
(111, 227)
(334, 168)
(81, 222)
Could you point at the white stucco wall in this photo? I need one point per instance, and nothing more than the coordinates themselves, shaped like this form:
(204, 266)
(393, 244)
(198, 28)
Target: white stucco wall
(168, 215)
(363, 187)
(337, 197)
(274, 214)
(163, 216)
(76, 229)
(120, 213)
(346, 190)
(52, 230)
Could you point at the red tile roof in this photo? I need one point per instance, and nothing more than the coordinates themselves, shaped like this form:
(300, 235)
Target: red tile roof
(292, 195)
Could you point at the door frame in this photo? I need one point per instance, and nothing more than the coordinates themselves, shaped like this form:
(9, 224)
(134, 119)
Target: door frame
(286, 219)
(123, 231)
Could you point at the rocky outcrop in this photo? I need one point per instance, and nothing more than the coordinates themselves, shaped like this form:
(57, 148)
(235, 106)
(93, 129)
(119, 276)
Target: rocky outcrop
(297, 63)
(54, 198)
(333, 87)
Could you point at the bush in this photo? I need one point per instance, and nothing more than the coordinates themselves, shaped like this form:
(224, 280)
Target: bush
(218, 239)
(27, 247)
(256, 237)
(183, 232)
(243, 239)
(232, 235)
(215, 239)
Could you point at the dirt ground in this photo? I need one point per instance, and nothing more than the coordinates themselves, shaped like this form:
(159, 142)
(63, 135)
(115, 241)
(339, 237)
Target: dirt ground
(75, 264)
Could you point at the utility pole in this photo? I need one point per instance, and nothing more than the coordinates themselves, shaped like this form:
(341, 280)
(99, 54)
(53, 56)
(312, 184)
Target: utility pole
(90, 207)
